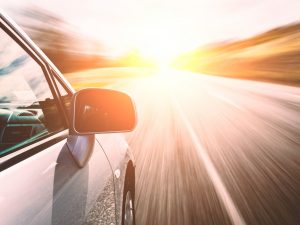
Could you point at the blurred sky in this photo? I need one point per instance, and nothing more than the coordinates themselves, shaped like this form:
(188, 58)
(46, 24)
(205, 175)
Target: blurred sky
(170, 25)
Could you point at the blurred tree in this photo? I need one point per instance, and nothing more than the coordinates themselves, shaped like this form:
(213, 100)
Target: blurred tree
(269, 56)
(66, 48)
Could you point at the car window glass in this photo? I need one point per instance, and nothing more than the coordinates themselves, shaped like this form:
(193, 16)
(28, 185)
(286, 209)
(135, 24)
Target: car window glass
(28, 110)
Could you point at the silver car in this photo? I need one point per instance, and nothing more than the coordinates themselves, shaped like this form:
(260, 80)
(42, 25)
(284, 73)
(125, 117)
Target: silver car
(62, 157)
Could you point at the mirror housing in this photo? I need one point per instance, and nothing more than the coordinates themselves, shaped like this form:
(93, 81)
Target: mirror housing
(95, 110)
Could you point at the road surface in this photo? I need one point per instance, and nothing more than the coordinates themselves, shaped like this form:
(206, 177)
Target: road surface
(212, 150)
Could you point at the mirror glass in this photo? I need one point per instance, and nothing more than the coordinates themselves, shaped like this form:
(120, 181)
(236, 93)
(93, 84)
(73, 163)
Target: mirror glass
(102, 110)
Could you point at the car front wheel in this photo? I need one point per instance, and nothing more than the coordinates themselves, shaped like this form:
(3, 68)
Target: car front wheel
(128, 215)
(128, 207)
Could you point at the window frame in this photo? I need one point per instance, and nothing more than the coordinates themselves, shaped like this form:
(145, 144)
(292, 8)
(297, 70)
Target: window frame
(58, 79)
(27, 150)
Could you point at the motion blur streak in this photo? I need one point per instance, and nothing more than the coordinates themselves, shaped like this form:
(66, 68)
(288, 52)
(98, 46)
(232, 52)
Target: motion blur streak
(213, 174)
(250, 132)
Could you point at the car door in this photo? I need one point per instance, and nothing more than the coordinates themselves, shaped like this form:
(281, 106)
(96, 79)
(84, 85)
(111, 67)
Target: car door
(41, 182)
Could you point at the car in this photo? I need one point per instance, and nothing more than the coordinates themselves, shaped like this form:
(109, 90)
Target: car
(63, 157)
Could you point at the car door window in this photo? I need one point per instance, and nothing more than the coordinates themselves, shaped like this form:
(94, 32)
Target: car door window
(28, 111)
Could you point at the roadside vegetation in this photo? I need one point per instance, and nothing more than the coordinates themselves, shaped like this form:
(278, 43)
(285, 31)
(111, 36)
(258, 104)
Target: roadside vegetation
(69, 49)
(271, 56)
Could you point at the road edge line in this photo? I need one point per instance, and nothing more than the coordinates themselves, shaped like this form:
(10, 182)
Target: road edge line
(218, 184)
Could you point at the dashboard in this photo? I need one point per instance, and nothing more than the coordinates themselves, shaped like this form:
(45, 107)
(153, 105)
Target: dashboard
(17, 125)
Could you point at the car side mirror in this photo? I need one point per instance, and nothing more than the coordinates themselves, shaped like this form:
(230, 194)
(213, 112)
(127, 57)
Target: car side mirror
(95, 110)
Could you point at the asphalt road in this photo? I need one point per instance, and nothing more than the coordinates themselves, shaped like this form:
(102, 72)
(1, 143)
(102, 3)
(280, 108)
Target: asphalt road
(212, 150)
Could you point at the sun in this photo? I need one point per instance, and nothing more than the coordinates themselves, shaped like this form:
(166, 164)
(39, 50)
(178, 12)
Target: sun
(159, 51)
(157, 42)
(160, 45)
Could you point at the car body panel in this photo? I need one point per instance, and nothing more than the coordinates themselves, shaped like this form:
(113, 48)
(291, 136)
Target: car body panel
(49, 187)
(120, 156)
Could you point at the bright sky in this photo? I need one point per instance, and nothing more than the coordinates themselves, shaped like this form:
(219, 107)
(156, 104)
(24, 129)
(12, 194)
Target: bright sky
(167, 26)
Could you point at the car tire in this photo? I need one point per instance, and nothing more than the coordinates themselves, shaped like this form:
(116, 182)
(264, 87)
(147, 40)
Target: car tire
(128, 210)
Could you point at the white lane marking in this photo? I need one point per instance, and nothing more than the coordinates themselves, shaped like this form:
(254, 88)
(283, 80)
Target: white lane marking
(227, 100)
(219, 186)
